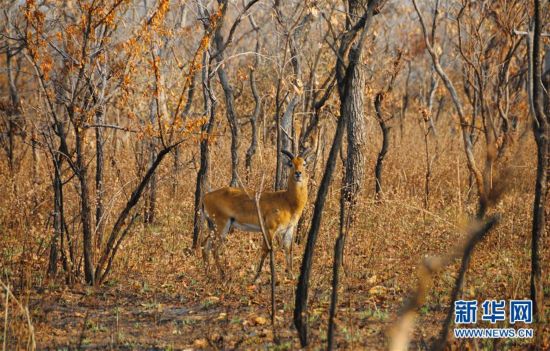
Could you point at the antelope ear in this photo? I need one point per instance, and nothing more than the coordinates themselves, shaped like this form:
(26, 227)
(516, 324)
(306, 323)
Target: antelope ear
(308, 155)
(310, 158)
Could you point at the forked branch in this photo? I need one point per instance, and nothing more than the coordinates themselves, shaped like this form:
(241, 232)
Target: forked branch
(402, 330)
(468, 146)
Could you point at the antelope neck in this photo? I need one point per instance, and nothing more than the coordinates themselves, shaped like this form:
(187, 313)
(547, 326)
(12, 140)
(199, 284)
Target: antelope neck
(297, 193)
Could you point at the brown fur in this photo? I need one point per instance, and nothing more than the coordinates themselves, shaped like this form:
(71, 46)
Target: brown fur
(235, 207)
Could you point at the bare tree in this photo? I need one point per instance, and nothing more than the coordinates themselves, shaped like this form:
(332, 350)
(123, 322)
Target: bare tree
(212, 25)
(210, 103)
(541, 131)
(11, 45)
(257, 102)
(384, 128)
(345, 70)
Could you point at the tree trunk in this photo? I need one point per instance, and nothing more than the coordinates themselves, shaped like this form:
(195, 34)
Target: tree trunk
(257, 106)
(540, 131)
(300, 309)
(351, 90)
(85, 217)
(384, 149)
(99, 178)
(13, 111)
(152, 187)
(353, 107)
(57, 216)
(284, 142)
(253, 125)
(202, 175)
(230, 106)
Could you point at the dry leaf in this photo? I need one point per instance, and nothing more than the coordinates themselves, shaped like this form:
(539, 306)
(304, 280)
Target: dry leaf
(200, 343)
(260, 320)
(377, 290)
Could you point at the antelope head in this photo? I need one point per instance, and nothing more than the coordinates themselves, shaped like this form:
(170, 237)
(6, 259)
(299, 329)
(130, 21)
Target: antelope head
(298, 173)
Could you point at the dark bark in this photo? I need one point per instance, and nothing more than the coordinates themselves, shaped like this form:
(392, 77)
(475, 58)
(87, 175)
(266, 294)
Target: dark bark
(257, 106)
(338, 247)
(99, 178)
(202, 175)
(253, 125)
(300, 309)
(353, 106)
(405, 102)
(34, 154)
(229, 103)
(13, 111)
(57, 216)
(151, 200)
(541, 133)
(115, 237)
(269, 245)
(429, 126)
(85, 215)
(151, 188)
(318, 105)
(385, 129)
(351, 89)
(60, 239)
(385, 145)
(345, 222)
(116, 247)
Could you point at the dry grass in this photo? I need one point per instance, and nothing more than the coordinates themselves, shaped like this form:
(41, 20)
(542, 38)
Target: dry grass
(158, 296)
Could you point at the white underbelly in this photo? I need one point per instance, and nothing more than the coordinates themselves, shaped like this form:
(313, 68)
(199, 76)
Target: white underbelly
(246, 227)
(282, 234)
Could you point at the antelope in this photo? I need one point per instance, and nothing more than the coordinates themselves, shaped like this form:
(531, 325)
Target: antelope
(230, 207)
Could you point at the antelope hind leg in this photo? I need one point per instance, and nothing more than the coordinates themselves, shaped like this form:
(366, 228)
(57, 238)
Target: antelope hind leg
(220, 238)
(217, 259)
(206, 246)
(265, 251)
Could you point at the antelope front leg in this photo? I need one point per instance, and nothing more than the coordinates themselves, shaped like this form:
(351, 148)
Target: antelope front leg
(288, 245)
(288, 268)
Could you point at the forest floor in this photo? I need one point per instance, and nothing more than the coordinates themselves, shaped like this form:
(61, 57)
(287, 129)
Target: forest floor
(160, 298)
